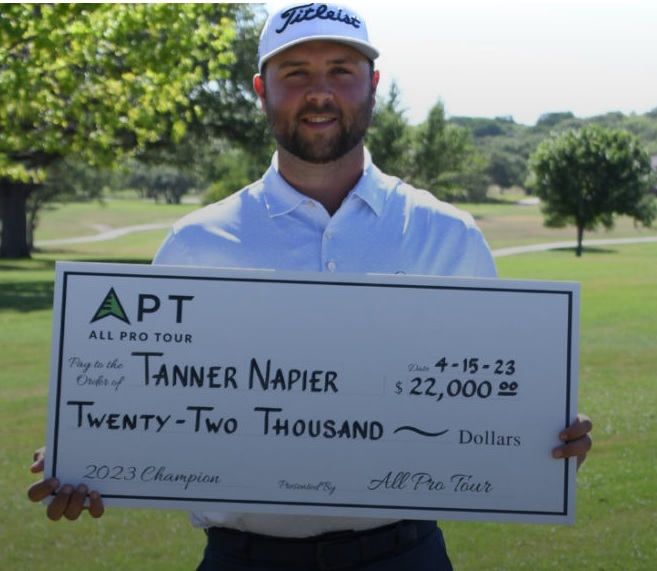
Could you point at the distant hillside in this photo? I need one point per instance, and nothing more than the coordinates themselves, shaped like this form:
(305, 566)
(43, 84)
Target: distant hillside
(508, 144)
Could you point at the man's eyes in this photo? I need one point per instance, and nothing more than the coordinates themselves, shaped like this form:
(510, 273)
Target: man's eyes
(334, 71)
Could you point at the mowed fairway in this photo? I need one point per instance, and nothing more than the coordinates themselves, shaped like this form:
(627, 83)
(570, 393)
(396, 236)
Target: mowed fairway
(616, 525)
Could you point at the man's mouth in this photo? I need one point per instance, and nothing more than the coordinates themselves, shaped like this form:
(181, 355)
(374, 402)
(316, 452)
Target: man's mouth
(319, 120)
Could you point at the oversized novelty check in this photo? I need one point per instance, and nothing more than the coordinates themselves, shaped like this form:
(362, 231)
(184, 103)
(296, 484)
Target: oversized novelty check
(308, 393)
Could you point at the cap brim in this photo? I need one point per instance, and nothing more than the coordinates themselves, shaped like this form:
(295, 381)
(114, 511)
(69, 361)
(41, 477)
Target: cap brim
(363, 47)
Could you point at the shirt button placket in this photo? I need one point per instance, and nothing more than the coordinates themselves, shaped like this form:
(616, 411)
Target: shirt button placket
(330, 263)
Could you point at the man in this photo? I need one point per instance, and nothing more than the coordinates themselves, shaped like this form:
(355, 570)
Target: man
(322, 206)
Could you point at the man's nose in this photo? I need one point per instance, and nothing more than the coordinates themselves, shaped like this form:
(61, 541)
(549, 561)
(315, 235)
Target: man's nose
(319, 90)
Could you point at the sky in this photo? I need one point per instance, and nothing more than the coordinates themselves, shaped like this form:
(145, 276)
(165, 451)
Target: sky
(494, 58)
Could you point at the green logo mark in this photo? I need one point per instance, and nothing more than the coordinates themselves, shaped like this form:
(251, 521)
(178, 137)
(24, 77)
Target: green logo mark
(111, 306)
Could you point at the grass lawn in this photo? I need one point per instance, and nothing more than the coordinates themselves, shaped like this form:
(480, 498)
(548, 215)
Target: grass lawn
(506, 225)
(617, 487)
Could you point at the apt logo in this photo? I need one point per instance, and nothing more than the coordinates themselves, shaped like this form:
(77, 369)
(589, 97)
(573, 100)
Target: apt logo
(147, 303)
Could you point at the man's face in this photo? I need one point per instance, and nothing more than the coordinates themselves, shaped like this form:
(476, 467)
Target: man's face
(318, 98)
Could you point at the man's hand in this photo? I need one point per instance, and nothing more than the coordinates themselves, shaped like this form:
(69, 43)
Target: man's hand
(69, 502)
(576, 439)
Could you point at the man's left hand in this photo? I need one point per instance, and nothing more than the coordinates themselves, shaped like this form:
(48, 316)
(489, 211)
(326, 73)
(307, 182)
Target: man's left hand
(576, 440)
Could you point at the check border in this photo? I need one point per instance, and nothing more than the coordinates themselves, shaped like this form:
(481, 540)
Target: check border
(68, 271)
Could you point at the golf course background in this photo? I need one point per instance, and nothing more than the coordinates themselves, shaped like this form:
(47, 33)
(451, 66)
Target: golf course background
(616, 525)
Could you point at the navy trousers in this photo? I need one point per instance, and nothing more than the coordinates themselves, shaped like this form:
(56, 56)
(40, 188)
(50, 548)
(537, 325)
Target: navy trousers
(425, 553)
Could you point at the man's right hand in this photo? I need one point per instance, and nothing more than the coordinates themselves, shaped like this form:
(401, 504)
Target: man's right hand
(69, 502)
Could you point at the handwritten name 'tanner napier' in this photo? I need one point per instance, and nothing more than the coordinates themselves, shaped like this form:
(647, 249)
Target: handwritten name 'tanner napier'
(261, 376)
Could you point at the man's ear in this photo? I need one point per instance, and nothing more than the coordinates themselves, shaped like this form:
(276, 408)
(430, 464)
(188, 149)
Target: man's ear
(376, 76)
(259, 87)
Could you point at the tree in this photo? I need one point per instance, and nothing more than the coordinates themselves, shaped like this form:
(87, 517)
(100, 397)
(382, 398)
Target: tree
(230, 114)
(231, 107)
(585, 177)
(388, 135)
(159, 181)
(97, 81)
(445, 160)
(232, 170)
(548, 120)
(505, 168)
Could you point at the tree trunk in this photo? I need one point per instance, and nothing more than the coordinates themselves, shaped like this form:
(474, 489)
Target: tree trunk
(580, 239)
(13, 200)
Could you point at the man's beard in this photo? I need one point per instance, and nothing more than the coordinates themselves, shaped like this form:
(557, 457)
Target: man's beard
(321, 148)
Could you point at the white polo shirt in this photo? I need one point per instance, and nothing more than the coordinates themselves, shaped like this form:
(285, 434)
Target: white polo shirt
(383, 226)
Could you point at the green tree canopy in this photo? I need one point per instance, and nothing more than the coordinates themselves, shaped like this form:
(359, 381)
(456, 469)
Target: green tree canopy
(388, 136)
(97, 81)
(445, 160)
(585, 177)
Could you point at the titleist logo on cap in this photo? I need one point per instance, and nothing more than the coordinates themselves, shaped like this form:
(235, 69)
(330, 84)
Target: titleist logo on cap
(296, 24)
(309, 12)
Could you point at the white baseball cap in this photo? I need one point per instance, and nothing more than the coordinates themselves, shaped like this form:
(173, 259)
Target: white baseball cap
(301, 23)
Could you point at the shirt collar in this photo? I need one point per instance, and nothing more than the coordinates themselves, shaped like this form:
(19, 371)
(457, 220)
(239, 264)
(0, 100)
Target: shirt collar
(368, 188)
(281, 198)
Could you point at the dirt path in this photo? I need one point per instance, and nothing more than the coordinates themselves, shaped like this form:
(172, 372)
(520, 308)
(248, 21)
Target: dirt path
(105, 235)
(571, 244)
